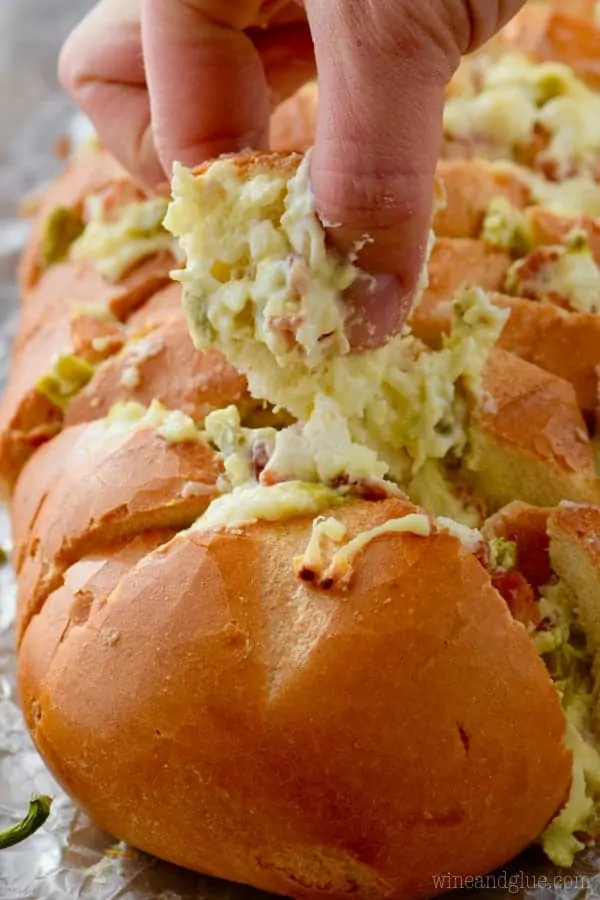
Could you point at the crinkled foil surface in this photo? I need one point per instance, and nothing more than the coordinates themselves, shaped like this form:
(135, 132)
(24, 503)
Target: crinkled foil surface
(69, 857)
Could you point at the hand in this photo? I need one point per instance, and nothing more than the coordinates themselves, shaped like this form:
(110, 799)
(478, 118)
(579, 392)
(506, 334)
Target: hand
(186, 80)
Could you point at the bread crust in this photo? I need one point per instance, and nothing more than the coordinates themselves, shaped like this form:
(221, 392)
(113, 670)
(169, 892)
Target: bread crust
(293, 124)
(70, 500)
(91, 171)
(295, 703)
(28, 417)
(567, 344)
(470, 186)
(546, 33)
(151, 363)
(531, 440)
(455, 264)
(250, 163)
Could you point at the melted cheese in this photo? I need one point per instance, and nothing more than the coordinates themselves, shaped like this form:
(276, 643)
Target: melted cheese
(261, 286)
(252, 502)
(572, 672)
(571, 275)
(69, 375)
(116, 246)
(313, 565)
(518, 97)
(123, 419)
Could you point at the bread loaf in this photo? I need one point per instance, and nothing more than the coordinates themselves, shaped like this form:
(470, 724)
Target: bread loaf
(320, 622)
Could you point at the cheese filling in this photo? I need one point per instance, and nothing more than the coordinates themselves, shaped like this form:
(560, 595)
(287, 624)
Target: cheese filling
(118, 242)
(336, 571)
(567, 275)
(564, 648)
(519, 99)
(68, 375)
(124, 419)
(261, 285)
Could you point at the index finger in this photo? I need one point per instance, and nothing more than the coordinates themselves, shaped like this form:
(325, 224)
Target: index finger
(208, 90)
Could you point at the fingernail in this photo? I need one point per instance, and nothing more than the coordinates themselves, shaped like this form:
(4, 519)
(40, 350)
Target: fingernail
(377, 310)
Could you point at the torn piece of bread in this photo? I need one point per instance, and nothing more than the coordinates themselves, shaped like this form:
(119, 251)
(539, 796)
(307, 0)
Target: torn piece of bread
(267, 292)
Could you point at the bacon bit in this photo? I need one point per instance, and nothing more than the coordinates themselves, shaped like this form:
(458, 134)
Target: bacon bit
(545, 624)
(368, 490)
(287, 324)
(269, 478)
(585, 838)
(531, 277)
(299, 277)
(373, 492)
(518, 596)
(306, 574)
(482, 555)
(340, 481)
(532, 265)
(260, 458)
(467, 497)
(552, 170)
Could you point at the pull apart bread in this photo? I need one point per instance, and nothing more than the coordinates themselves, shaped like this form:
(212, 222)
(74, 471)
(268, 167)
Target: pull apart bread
(319, 622)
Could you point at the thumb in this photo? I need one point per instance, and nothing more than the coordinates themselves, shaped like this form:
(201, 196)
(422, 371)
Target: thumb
(378, 134)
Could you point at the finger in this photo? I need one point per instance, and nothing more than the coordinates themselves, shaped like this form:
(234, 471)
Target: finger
(208, 90)
(101, 66)
(379, 127)
(288, 58)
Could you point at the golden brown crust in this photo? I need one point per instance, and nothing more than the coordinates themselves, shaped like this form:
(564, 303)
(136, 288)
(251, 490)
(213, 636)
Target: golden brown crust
(157, 309)
(86, 586)
(581, 525)
(173, 683)
(89, 172)
(293, 124)
(28, 417)
(306, 707)
(561, 35)
(567, 344)
(470, 186)
(530, 441)
(151, 369)
(76, 285)
(548, 229)
(74, 498)
(458, 263)
(252, 163)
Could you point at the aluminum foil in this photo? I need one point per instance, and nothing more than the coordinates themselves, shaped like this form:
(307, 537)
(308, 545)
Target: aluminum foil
(70, 858)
